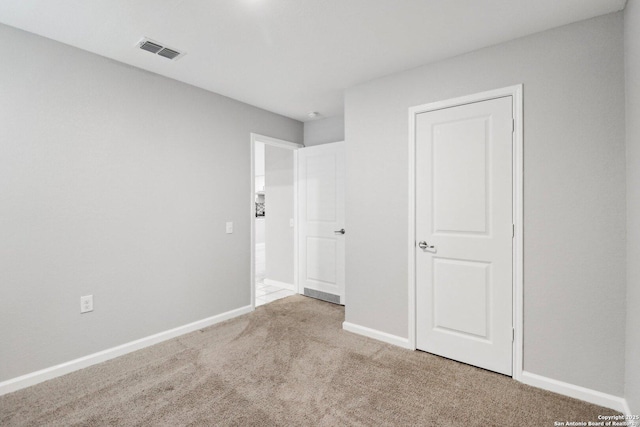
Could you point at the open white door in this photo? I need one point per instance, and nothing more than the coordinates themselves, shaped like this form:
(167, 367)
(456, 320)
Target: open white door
(321, 171)
(464, 231)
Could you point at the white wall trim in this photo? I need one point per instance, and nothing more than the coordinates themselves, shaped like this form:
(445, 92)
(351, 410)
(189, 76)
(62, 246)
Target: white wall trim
(36, 377)
(518, 216)
(518, 242)
(255, 137)
(411, 231)
(279, 284)
(296, 228)
(376, 335)
(575, 391)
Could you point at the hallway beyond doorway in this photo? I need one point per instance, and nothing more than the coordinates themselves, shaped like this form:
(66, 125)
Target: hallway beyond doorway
(266, 293)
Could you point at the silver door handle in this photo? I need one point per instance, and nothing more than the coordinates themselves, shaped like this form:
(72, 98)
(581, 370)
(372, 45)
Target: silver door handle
(341, 231)
(425, 245)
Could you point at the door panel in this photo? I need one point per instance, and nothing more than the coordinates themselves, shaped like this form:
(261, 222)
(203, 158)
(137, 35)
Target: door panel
(321, 171)
(321, 259)
(459, 179)
(453, 278)
(320, 180)
(464, 210)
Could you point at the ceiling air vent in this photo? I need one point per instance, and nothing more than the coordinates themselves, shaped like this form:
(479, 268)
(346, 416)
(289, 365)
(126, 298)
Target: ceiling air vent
(150, 47)
(159, 49)
(169, 53)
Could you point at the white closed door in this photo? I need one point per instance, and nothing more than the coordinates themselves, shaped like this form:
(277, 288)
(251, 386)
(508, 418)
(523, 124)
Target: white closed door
(321, 171)
(464, 233)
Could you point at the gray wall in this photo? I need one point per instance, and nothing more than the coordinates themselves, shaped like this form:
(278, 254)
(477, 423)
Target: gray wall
(574, 199)
(324, 131)
(632, 72)
(117, 183)
(279, 208)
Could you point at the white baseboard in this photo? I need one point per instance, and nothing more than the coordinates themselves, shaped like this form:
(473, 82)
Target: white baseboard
(627, 412)
(33, 378)
(283, 285)
(575, 391)
(376, 335)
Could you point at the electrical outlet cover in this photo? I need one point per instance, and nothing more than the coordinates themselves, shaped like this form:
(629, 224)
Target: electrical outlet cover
(86, 303)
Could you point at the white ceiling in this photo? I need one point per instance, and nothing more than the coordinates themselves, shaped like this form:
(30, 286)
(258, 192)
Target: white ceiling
(291, 56)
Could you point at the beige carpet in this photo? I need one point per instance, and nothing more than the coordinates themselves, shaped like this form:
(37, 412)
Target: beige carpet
(287, 363)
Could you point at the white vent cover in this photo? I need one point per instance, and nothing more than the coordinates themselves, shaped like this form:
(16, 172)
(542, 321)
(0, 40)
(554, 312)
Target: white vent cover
(159, 49)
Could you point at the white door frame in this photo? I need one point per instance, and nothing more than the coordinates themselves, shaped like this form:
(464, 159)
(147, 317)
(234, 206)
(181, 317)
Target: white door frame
(275, 142)
(518, 203)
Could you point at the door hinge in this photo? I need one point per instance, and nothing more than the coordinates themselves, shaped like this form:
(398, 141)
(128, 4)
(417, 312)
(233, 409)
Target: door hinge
(513, 125)
(513, 231)
(513, 334)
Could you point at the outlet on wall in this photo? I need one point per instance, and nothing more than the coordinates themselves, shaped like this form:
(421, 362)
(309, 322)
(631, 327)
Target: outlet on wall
(86, 303)
(229, 227)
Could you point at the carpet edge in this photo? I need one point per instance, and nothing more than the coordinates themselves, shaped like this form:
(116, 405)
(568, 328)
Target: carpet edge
(377, 335)
(36, 377)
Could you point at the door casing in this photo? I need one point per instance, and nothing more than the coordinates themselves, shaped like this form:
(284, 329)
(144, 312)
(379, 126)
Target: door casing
(518, 214)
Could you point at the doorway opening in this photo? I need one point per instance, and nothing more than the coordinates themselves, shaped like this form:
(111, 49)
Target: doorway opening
(273, 219)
